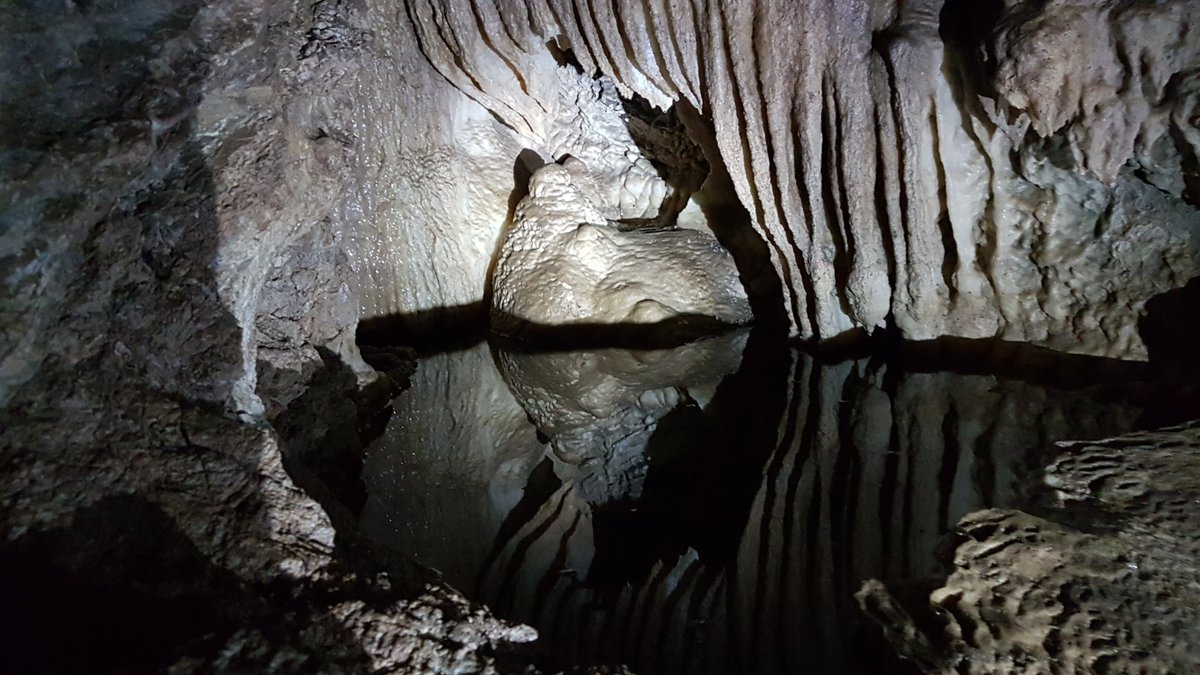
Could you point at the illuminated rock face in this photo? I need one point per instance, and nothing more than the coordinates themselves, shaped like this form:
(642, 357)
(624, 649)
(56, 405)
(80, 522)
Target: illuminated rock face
(1019, 172)
(563, 263)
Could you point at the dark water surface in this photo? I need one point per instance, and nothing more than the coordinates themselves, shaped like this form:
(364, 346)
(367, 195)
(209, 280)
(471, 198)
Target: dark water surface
(720, 502)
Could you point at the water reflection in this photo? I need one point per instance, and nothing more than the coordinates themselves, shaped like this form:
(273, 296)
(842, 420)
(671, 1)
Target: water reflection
(710, 508)
(599, 408)
(451, 464)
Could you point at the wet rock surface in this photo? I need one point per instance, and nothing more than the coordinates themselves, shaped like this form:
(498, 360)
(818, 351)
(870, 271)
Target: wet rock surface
(561, 263)
(945, 168)
(1105, 581)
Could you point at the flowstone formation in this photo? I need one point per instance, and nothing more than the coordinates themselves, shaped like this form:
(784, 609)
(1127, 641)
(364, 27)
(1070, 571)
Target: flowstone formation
(564, 264)
(966, 169)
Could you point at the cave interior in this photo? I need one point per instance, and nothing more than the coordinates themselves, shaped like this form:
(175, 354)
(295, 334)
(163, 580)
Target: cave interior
(640, 336)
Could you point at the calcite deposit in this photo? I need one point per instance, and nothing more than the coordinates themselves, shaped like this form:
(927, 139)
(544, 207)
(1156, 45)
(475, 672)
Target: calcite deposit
(967, 171)
(562, 263)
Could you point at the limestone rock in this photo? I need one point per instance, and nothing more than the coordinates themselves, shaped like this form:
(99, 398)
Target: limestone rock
(169, 174)
(968, 172)
(200, 199)
(562, 263)
(1106, 584)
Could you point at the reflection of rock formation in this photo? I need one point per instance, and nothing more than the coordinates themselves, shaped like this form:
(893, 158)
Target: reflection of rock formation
(458, 459)
(563, 263)
(599, 408)
(861, 474)
(763, 502)
(450, 465)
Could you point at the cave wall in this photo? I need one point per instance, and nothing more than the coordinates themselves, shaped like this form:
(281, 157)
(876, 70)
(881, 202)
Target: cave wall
(175, 275)
(165, 178)
(157, 188)
(956, 169)
(432, 179)
(440, 173)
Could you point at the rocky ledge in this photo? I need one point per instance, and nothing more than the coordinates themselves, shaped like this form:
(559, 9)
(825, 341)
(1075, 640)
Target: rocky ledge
(1103, 581)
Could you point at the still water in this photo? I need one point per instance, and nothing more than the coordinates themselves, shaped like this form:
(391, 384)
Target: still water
(710, 508)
